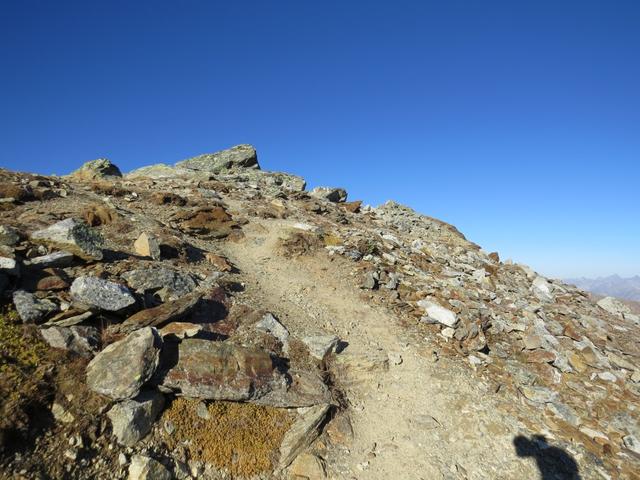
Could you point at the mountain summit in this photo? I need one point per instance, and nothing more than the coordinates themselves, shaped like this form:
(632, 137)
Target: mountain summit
(211, 319)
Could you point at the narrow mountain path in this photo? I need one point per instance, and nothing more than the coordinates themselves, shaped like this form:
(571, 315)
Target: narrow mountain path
(413, 417)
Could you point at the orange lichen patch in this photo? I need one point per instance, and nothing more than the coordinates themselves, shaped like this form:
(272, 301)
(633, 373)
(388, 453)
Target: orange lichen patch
(241, 438)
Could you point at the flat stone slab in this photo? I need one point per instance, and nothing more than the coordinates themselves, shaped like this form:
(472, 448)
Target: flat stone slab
(222, 371)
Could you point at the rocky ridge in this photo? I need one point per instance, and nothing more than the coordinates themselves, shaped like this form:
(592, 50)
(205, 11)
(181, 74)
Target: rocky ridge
(363, 341)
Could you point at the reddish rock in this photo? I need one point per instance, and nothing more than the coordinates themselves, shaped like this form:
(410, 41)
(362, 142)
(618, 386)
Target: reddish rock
(571, 332)
(541, 356)
(221, 371)
(162, 314)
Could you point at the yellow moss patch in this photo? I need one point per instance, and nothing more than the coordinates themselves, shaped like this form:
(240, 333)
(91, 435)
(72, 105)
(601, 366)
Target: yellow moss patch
(242, 438)
(22, 382)
(331, 240)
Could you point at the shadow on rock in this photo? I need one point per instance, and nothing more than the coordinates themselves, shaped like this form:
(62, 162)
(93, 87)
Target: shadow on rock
(553, 462)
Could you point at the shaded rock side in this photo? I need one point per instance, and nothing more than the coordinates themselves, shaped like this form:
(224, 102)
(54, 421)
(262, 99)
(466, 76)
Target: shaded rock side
(120, 370)
(101, 168)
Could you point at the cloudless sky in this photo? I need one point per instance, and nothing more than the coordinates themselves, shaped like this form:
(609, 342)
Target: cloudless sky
(516, 121)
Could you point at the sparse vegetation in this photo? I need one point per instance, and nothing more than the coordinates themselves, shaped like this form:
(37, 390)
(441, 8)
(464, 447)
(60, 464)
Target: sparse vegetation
(242, 438)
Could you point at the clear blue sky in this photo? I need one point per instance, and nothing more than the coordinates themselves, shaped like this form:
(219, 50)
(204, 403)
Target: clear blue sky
(517, 121)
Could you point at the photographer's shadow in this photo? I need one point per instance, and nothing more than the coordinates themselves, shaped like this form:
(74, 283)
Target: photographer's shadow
(553, 462)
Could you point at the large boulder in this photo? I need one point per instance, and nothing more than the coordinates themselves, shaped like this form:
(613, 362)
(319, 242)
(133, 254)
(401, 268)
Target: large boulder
(122, 368)
(240, 156)
(131, 420)
(221, 371)
(74, 236)
(99, 293)
(101, 168)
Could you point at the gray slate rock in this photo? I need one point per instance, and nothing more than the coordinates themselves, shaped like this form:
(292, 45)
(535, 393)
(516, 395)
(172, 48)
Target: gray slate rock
(146, 468)
(302, 433)
(321, 345)
(81, 340)
(74, 236)
(335, 195)
(8, 236)
(240, 156)
(155, 278)
(271, 325)
(122, 368)
(100, 293)
(60, 259)
(30, 308)
(132, 420)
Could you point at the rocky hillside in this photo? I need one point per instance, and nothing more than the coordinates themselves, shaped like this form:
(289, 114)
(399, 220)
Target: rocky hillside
(212, 320)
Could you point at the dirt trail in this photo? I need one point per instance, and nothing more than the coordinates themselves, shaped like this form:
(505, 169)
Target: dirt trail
(414, 418)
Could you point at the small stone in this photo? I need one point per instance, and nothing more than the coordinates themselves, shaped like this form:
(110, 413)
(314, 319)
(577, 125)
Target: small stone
(632, 443)
(202, 411)
(321, 345)
(271, 325)
(607, 376)
(120, 370)
(132, 419)
(30, 308)
(146, 468)
(576, 362)
(532, 341)
(74, 236)
(221, 263)
(100, 293)
(309, 467)
(9, 266)
(180, 330)
(60, 259)
(9, 236)
(436, 313)
(370, 281)
(147, 245)
(61, 414)
(539, 394)
(122, 459)
(541, 356)
(81, 340)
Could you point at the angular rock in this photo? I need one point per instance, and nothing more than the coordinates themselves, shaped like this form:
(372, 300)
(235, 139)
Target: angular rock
(271, 325)
(131, 420)
(9, 266)
(162, 314)
(435, 313)
(306, 389)
(221, 263)
(60, 259)
(370, 281)
(302, 433)
(321, 345)
(74, 236)
(146, 468)
(212, 221)
(122, 368)
(9, 236)
(309, 467)
(613, 306)
(101, 168)
(100, 293)
(240, 156)
(335, 195)
(539, 394)
(147, 245)
(221, 371)
(81, 340)
(180, 330)
(160, 171)
(30, 308)
(178, 284)
(632, 443)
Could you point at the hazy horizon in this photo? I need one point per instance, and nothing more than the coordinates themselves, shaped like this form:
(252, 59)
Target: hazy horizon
(517, 123)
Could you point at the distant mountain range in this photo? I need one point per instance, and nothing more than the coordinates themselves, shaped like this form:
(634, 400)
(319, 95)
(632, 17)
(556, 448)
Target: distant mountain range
(614, 285)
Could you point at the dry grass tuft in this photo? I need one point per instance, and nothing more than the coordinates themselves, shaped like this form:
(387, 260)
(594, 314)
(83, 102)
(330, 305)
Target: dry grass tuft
(241, 438)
